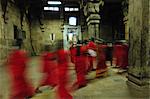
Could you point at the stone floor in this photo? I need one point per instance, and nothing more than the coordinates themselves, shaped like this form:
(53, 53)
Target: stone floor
(111, 87)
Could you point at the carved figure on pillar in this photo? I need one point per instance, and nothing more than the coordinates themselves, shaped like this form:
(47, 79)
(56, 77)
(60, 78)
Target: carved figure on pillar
(91, 11)
(92, 7)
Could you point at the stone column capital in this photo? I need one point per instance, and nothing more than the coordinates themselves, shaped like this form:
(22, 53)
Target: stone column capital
(93, 7)
(93, 19)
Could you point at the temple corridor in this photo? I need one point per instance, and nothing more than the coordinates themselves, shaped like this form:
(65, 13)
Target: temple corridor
(74, 49)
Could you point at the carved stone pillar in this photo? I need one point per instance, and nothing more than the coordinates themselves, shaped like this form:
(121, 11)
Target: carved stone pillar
(126, 23)
(125, 5)
(93, 22)
(139, 47)
(91, 11)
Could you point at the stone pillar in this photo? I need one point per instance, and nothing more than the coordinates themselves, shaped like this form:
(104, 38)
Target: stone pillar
(93, 22)
(139, 47)
(126, 23)
(125, 5)
(91, 11)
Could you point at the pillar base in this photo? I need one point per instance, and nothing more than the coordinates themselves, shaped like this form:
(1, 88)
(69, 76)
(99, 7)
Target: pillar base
(139, 87)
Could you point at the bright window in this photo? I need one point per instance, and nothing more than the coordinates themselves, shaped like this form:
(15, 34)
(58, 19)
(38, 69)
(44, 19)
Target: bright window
(76, 9)
(56, 9)
(71, 9)
(66, 9)
(54, 2)
(72, 21)
(51, 8)
(46, 8)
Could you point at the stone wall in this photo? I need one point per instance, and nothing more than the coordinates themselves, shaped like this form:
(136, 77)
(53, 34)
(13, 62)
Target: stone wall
(37, 37)
(40, 39)
(53, 26)
(7, 30)
(6, 41)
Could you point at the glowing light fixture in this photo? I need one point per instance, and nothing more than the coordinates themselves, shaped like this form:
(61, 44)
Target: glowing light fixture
(54, 2)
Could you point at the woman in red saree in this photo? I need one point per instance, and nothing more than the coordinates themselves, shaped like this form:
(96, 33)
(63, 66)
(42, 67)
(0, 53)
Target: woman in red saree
(63, 63)
(17, 65)
(49, 68)
(92, 59)
(101, 69)
(81, 66)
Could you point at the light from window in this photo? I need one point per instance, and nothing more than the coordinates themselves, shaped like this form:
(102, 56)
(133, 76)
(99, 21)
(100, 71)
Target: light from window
(56, 9)
(51, 8)
(72, 21)
(46, 8)
(76, 9)
(54, 2)
(66, 9)
(71, 9)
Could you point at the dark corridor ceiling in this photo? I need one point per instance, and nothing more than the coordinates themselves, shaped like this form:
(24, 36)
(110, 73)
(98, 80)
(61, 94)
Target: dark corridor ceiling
(35, 7)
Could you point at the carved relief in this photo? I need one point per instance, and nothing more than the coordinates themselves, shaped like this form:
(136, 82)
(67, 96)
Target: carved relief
(125, 5)
(91, 7)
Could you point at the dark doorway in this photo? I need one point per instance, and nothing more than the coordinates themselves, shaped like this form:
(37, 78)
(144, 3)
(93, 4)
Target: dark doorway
(112, 26)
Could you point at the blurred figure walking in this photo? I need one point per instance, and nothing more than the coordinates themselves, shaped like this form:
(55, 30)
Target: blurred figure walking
(101, 69)
(17, 65)
(81, 66)
(92, 48)
(63, 63)
(49, 68)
